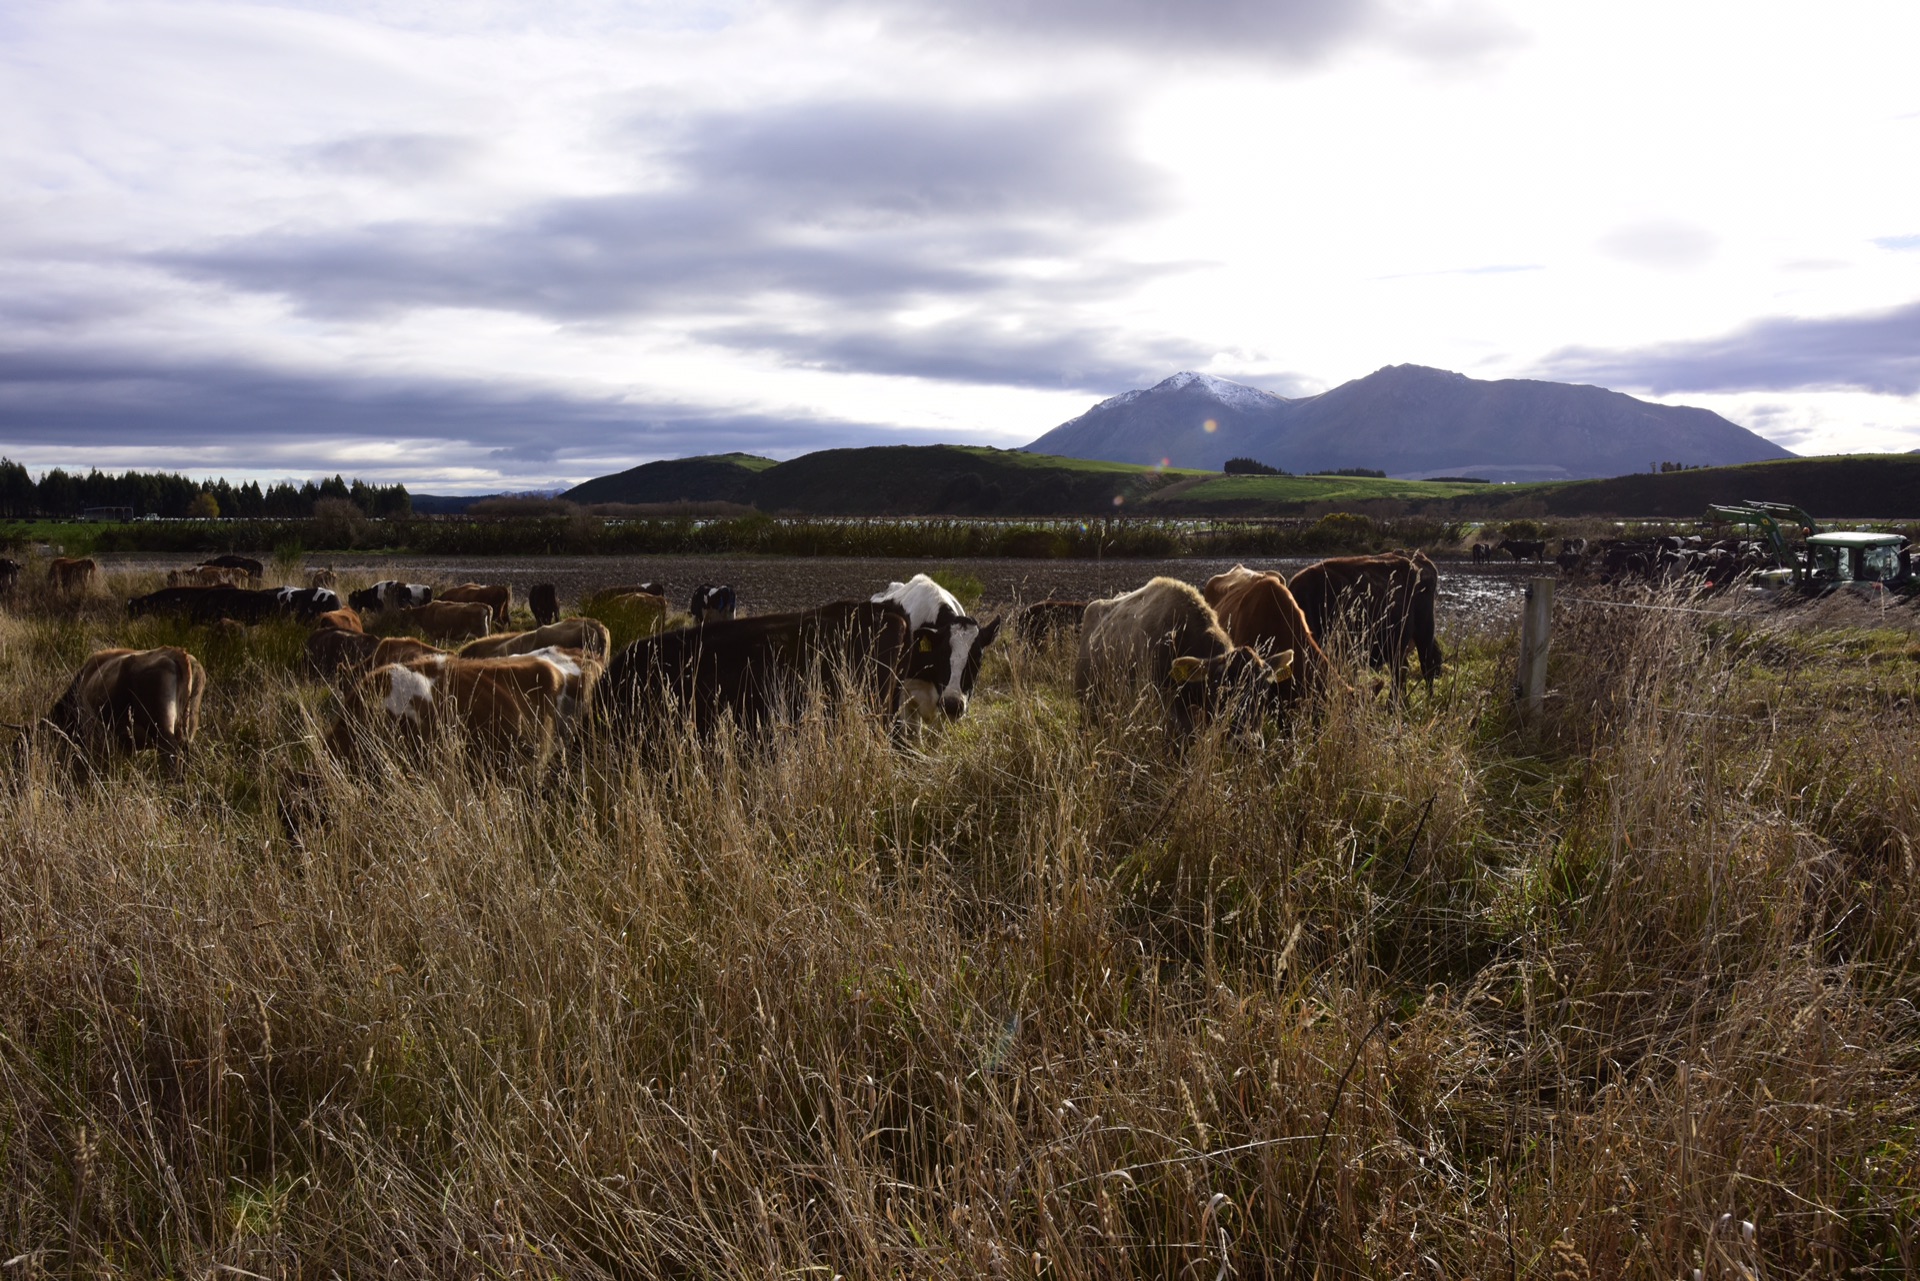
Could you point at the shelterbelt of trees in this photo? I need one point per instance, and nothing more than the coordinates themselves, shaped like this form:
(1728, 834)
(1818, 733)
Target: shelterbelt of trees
(62, 493)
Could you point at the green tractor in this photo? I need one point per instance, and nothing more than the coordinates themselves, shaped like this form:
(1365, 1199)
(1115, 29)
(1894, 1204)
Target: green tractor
(1856, 559)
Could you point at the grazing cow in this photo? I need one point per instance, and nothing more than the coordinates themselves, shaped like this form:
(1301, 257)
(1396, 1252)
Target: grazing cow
(390, 593)
(645, 612)
(711, 604)
(332, 652)
(1044, 619)
(340, 620)
(1164, 637)
(206, 604)
(1383, 603)
(545, 604)
(498, 599)
(9, 576)
(125, 700)
(588, 635)
(1257, 609)
(523, 706)
(1524, 549)
(449, 621)
(306, 603)
(947, 647)
(758, 669)
(1573, 547)
(1482, 553)
(246, 565)
(323, 578)
(70, 573)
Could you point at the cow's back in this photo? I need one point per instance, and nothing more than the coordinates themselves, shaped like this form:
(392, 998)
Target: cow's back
(1131, 640)
(1258, 609)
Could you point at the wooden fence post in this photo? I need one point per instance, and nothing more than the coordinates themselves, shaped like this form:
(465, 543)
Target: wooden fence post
(1536, 629)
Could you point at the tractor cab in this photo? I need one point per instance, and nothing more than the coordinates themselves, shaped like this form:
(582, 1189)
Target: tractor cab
(1855, 559)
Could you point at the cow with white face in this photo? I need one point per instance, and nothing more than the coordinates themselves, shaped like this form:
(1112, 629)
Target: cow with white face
(947, 646)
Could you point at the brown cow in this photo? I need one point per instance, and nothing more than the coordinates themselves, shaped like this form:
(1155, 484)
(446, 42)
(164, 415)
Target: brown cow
(498, 599)
(332, 653)
(1044, 619)
(1164, 637)
(1383, 604)
(342, 620)
(1257, 609)
(588, 635)
(70, 574)
(522, 706)
(125, 700)
(449, 621)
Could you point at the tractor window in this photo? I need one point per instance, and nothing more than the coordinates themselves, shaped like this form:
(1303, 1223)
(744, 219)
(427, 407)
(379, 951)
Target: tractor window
(1880, 564)
(1830, 564)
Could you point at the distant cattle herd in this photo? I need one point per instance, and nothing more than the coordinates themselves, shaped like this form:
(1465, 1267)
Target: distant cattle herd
(1247, 651)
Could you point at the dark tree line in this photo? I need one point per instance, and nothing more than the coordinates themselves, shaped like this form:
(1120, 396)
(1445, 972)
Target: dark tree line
(61, 493)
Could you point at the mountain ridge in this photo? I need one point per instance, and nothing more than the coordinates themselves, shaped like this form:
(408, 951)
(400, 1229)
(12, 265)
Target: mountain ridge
(1410, 421)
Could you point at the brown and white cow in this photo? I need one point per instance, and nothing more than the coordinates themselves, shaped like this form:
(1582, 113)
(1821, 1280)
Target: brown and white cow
(588, 635)
(497, 598)
(126, 700)
(760, 669)
(448, 621)
(1255, 608)
(520, 707)
(71, 573)
(344, 619)
(1164, 637)
(1384, 605)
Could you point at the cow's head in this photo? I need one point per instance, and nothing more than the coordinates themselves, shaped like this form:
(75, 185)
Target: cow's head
(367, 598)
(943, 662)
(711, 604)
(1239, 684)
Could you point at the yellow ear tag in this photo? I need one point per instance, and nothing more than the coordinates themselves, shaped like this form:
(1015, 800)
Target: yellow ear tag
(1186, 669)
(926, 646)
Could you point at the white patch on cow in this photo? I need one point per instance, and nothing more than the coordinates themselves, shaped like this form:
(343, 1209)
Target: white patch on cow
(284, 595)
(557, 660)
(960, 642)
(409, 694)
(922, 598)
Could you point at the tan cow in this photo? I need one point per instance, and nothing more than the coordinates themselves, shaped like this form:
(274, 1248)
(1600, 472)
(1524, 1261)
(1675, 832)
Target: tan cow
(323, 578)
(341, 620)
(126, 700)
(448, 621)
(71, 574)
(588, 635)
(1256, 609)
(521, 707)
(1164, 637)
(498, 599)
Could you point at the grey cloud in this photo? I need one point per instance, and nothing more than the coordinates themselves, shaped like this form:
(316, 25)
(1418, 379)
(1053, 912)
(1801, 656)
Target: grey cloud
(1661, 244)
(1257, 30)
(147, 411)
(975, 349)
(1876, 352)
(869, 204)
(405, 157)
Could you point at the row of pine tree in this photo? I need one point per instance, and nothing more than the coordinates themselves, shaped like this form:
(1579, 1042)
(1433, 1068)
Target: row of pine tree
(59, 493)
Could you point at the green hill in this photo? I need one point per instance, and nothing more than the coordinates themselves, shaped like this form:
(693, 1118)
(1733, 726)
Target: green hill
(722, 478)
(1844, 487)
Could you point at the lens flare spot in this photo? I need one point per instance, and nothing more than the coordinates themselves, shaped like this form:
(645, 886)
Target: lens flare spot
(1210, 426)
(1119, 500)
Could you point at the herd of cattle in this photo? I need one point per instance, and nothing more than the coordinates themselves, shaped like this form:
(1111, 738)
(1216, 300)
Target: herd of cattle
(1248, 648)
(1715, 562)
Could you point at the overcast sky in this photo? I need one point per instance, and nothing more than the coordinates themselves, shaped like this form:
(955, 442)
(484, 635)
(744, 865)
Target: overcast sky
(484, 245)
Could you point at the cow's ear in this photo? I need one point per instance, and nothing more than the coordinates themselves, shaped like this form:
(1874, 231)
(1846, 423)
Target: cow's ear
(1281, 665)
(990, 631)
(1187, 669)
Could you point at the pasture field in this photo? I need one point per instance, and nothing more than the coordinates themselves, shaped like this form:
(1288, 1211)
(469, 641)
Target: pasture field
(1408, 991)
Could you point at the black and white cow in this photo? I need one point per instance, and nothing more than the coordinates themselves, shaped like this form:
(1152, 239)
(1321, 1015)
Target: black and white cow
(307, 602)
(390, 593)
(711, 604)
(947, 646)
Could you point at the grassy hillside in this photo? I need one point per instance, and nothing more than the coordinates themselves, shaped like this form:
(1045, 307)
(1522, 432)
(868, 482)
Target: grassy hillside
(951, 480)
(725, 478)
(1852, 486)
(1274, 494)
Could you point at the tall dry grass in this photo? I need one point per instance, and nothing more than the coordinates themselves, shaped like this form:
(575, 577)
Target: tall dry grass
(1410, 992)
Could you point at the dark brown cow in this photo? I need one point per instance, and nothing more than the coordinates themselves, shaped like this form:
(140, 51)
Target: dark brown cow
(1257, 609)
(245, 564)
(758, 669)
(9, 576)
(545, 604)
(1383, 604)
(126, 700)
(70, 574)
(1164, 637)
(498, 599)
(1045, 619)
(1524, 549)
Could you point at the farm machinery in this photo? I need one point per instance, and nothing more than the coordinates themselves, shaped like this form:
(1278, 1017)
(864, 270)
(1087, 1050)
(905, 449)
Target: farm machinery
(1856, 559)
